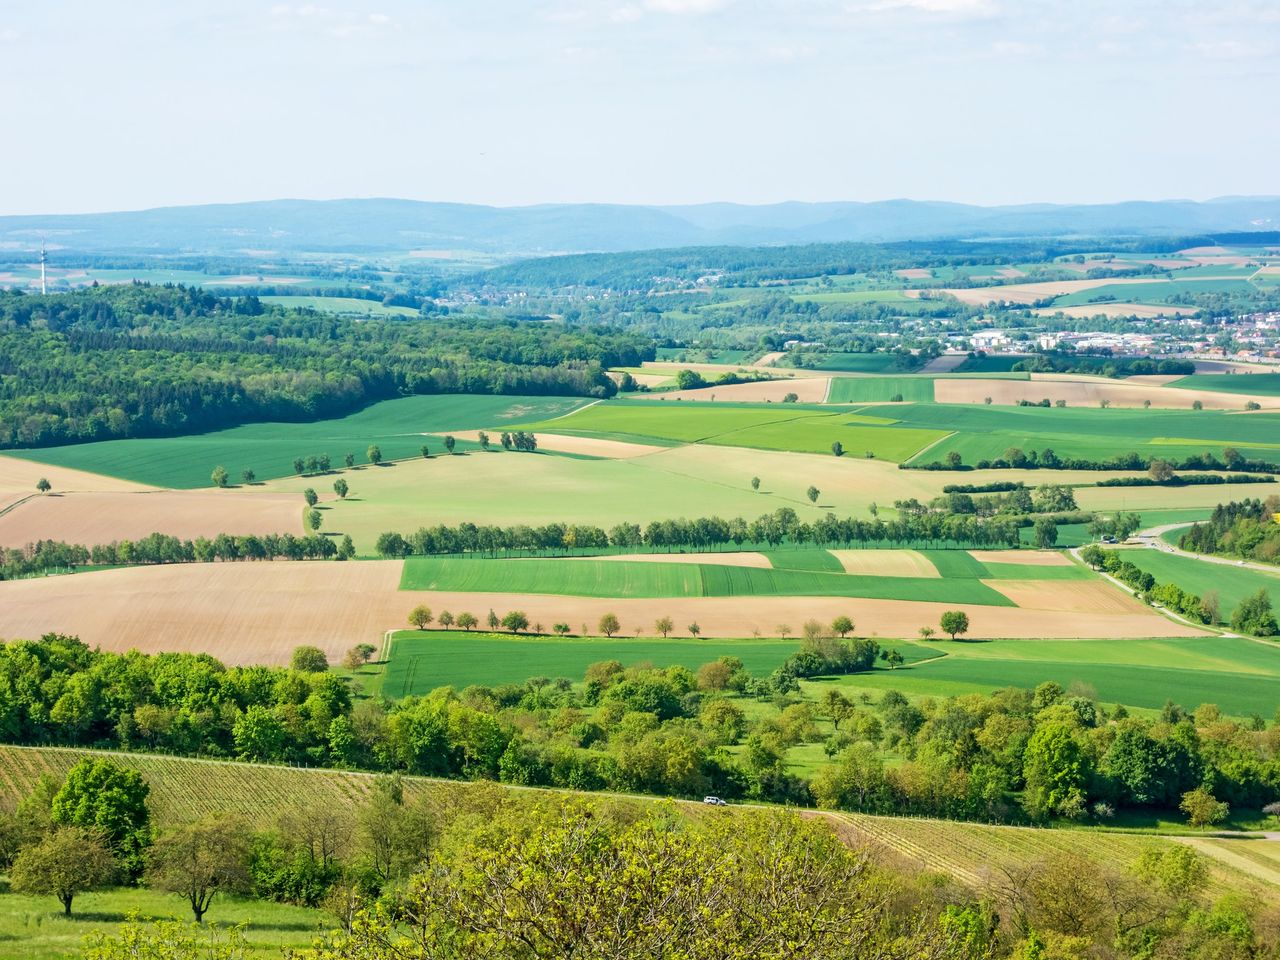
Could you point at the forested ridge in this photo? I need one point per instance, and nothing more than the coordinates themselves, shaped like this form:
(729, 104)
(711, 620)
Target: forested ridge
(141, 360)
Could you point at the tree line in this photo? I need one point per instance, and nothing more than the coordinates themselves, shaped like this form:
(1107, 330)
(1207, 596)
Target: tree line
(782, 526)
(141, 360)
(1015, 458)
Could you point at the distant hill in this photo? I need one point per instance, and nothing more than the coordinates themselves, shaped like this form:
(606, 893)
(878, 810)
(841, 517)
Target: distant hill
(385, 225)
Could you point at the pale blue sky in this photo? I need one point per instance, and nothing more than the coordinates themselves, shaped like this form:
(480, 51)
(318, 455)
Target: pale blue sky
(115, 105)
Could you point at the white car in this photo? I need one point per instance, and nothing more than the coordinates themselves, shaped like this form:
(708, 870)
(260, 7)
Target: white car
(714, 802)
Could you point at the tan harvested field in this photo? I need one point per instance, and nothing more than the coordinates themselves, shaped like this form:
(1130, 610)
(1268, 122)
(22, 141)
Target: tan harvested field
(1116, 310)
(886, 563)
(92, 518)
(1082, 597)
(259, 612)
(20, 476)
(807, 390)
(738, 559)
(1152, 379)
(915, 273)
(1032, 558)
(769, 359)
(239, 612)
(1091, 392)
(587, 446)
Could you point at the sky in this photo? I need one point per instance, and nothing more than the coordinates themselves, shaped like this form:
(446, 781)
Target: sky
(111, 105)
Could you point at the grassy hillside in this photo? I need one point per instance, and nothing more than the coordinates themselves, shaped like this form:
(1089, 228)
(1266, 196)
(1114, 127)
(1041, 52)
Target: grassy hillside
(1256, 383)
(397, 426)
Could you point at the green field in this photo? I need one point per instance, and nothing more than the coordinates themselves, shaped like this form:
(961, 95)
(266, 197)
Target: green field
(996, 364)
(797, 428)
(1156, 292)
(1263, 384)
(1232, 583)
(1240, 676)
(268, 449)
(804, 559)
(347, 306)
(879, 389)
(34, 928)
(641, 579)
(985, 432)
(420, 662)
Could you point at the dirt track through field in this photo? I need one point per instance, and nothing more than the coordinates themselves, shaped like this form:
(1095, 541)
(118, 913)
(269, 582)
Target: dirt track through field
(93, 518)
(259, 612)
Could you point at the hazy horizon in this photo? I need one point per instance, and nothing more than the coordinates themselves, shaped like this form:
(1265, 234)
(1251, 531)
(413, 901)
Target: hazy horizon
(654, 102)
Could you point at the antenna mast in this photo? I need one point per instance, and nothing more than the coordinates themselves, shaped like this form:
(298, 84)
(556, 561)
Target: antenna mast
(44, 286)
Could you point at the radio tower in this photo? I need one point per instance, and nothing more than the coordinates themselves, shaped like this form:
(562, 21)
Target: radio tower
(44, 286)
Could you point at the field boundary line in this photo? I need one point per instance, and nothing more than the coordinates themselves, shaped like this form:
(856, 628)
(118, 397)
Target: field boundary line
(929, 446)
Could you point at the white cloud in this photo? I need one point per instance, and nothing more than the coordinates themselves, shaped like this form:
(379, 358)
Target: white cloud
(1232, 50)
(685, 6)
(947, 8)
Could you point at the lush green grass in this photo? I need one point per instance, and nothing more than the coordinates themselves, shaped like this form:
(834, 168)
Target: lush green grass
(343, 305)
(789, 427)
(985, 432)
(420, 662)
(1267, 384)
(879, 389)
(804, 559)
(636, 579)
(1156, 292)
(33, 928)
(1232, 583)
(268, 449)
(1240, 676)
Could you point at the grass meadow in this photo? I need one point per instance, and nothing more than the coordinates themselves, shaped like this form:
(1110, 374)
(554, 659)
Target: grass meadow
(1263, 384)
(397, 426)
(1231, 583)
(984, 432)
(346, 306)
(1239, 675)
(880, 389)
(34, 928)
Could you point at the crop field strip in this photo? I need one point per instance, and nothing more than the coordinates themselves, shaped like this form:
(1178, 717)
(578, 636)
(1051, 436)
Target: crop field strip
(420, 663)
(630, 579)
(982, 432)
(399, 427)
(798, 428)
(1257, 383)
(1238, 675)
